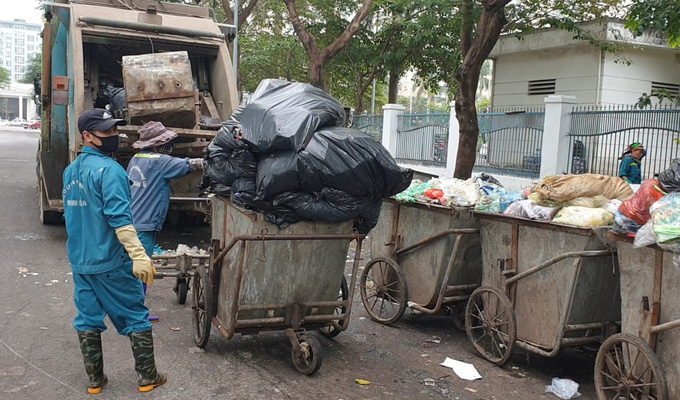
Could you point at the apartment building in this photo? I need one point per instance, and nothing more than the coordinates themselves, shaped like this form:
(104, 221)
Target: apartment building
(19, 43)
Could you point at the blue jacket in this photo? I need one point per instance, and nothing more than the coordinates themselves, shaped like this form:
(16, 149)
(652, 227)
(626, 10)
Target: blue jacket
(631, 169)
(150, 175)
(96, 202)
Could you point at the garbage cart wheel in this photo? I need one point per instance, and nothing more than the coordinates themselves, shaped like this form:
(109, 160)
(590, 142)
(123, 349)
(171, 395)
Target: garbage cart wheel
(308, 360)
(202, 297)
(181, 289)
(458, 314)
(383, 290)
(627, 368)
(491, 324)
(330, 331)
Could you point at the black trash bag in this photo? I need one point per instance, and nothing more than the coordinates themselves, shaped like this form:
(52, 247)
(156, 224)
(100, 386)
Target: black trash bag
(369, 217)
(351, 161)
(228, 137)
(227, 157)
(243, 194)
(488, 178)
(670, 178)
(283, 115)
(225, 166)
(115, 96)
(328, 205)
(277, 173)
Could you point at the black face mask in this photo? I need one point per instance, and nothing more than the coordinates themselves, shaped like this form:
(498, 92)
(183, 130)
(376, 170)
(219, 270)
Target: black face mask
(109, 144)
(165, 148)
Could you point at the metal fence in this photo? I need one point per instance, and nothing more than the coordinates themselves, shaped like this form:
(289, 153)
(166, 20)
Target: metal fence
(599, 135)
(369, 124)
(510, 142)
(422, 139)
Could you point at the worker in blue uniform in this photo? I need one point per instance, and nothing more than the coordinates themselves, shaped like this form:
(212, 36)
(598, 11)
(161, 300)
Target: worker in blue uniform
(108, 261)
(630, 169)
(150, 172)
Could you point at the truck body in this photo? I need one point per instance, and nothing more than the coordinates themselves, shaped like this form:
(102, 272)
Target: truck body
(89, 45)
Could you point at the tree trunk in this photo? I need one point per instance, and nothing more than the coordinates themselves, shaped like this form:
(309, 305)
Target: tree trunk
(393, 92)
(316, 76)
(475, 51)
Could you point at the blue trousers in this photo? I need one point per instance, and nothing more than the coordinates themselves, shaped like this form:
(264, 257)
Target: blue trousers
(148, 239)
(117, 293)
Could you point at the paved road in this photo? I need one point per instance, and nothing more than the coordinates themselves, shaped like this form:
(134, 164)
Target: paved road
(40, 359)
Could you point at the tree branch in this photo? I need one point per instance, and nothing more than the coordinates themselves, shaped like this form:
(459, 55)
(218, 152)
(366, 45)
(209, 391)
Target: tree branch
(340, 43)
(308, 40)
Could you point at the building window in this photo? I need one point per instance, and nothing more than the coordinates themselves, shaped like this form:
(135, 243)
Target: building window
(19, 42)
(18, 77)
(19, 51)
(670, 88)
(30, 47)
(19, 60)
(20, 68)
(8, 54)
(541, 87)
(31, 38)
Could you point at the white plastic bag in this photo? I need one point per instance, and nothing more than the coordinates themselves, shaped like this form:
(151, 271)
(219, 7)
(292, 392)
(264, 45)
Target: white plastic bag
(563, 388)
(645, 236)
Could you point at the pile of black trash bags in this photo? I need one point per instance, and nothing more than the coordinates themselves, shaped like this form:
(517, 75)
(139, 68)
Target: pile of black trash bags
(286, 154)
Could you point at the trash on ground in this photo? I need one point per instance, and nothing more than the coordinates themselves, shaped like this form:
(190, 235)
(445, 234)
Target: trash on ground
(463, 370)
(434, 339)
(429, 382)
(563, 388)
(363, 382)
(471, 390)
(175, 328)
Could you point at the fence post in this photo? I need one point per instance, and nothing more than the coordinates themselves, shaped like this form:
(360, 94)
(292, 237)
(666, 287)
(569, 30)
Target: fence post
(389, 136)
(555, 146)
(454, 136)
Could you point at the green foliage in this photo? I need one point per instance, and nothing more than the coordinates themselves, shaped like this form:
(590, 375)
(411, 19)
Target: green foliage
(33, 70)
(658, 15)
(5, 77)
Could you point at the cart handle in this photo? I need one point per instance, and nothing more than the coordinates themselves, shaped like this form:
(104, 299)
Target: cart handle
(465, 231)
(554, 260)
(265, 237)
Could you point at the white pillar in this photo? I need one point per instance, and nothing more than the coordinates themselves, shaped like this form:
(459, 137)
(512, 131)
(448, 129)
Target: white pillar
(21, 107)
(31, 110)
(389, 137)
(454, 137)
(555, 147)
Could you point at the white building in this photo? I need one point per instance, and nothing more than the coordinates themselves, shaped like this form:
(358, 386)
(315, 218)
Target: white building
(19, 43)
(551, 61)
(16, 101)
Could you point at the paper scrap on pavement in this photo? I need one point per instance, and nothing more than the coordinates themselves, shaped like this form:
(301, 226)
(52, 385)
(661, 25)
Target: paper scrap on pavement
(463, 370)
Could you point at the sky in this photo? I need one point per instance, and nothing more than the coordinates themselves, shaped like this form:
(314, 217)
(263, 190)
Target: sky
(21, 9)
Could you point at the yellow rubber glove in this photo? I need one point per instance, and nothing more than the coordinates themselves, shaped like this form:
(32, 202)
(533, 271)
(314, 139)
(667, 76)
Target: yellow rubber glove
(142, 266)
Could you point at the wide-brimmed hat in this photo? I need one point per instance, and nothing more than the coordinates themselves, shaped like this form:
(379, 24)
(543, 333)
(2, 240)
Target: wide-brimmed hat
(153, 134)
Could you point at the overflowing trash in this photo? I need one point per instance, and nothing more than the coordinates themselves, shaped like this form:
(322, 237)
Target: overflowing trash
(285, 153)
(586, 200)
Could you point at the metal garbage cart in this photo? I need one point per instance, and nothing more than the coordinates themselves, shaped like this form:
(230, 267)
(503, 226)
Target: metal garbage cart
(181, 267)
(263, 278)
(643, 361)
(545, 286)
(425, 256)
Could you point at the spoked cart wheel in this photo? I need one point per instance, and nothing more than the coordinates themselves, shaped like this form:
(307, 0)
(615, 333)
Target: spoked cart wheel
(202, 296)
(330, 331)
(181, 289)
(491, 324)
(627, 368)
(383, 290)
(307, 355)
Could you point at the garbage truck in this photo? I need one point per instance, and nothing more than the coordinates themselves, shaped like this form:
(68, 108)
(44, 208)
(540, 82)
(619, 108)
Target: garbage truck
(143, 60)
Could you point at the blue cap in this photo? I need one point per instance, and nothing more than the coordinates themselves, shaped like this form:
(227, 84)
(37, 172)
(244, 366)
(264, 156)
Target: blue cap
(98, 119)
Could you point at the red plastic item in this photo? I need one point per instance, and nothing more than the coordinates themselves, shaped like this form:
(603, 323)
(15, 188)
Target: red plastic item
(434, 193)
(637, 208)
